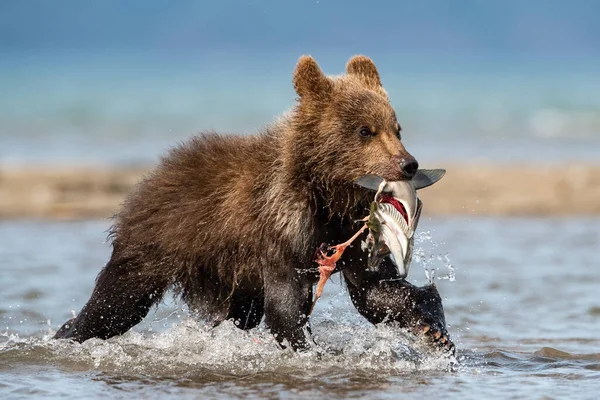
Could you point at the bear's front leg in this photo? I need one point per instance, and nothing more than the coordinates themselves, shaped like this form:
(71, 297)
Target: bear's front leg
(288, 299)
(383, 296)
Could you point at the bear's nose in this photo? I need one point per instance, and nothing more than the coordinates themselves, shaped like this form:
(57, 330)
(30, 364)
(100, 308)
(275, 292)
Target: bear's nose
(409, 166)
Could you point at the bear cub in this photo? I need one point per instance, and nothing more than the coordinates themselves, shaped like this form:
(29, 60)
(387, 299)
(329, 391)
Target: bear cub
(232, 222)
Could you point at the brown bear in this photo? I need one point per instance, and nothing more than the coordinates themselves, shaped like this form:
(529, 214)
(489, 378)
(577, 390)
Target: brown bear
(232, 222)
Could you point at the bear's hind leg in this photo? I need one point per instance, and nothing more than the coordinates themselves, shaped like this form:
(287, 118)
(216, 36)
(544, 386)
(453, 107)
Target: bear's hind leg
(119, 301)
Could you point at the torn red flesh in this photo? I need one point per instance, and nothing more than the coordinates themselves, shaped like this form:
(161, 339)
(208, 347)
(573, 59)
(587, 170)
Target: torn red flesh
(386, 198)
(327, 262)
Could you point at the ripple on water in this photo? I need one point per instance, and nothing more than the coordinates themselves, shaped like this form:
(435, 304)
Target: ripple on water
(523, 313)
(349, 360)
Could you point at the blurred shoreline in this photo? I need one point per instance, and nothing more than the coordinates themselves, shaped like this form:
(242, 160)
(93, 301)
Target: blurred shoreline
(72, 193)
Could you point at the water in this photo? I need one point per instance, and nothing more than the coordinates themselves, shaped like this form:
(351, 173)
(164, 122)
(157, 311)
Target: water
(113, 109)
(523, 310)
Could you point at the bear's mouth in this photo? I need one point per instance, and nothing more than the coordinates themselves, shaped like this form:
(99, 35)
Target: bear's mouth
(397, 204)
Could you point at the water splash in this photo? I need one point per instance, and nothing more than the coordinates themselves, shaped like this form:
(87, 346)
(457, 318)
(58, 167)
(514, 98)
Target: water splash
(430, 275)
(430, 261)
(190, 345)
(451, 275)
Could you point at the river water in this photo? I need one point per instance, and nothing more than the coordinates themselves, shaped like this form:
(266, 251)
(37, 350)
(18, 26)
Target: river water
(521, 298)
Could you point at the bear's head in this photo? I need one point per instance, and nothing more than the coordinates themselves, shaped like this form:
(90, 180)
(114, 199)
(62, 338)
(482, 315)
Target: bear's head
(345, 126)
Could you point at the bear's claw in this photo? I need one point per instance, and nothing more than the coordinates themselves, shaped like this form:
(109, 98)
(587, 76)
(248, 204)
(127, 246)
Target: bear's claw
(436, 337)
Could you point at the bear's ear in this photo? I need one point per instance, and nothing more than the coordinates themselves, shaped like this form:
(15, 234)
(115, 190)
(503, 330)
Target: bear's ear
(364, 68)
(309, 80)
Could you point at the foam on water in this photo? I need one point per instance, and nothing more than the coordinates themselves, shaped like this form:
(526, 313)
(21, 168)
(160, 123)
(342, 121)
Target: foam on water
(175, 343)
(191, 345)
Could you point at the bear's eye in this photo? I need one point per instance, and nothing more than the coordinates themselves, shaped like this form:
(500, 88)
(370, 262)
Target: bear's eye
(365, 132)
(398, 133)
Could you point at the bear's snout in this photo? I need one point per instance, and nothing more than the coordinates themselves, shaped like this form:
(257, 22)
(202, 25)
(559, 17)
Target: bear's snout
(408, 165)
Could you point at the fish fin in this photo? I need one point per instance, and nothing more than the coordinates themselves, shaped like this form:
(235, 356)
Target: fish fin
(427, 177)
(423, 179)
(369, 181)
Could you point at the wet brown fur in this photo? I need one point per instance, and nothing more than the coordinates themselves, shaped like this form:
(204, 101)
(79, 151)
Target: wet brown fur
(224, 217)
(232, 199)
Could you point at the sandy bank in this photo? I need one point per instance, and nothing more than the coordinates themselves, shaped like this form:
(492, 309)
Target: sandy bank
(72, 193)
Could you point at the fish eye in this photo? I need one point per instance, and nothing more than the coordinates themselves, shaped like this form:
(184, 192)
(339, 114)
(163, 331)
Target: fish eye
(365, 132)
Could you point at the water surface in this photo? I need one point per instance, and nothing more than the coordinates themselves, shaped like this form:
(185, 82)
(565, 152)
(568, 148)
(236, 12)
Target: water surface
(523, 310)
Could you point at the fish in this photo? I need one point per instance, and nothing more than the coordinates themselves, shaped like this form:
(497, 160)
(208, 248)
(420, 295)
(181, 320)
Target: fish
(394, 216)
